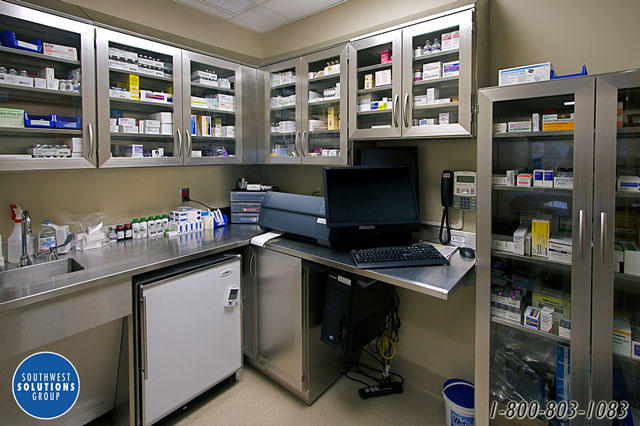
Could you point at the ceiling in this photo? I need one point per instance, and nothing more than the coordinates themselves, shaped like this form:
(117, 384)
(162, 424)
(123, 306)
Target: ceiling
(260, 16)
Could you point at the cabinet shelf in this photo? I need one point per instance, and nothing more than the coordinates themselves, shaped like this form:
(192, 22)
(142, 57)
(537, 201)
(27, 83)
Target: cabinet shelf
(142, 105)
(529, 330)
(626, 358)
(532, 189)
(628, 130)
(540, 134)
(437, 81)
(282, 133)
(375, 67)
(320, 132)
(205, 86)
(623, 194)
(283, 85)
(212, 110)
(376, 89)
(375, 111)
(140, 74)
(423, 58)
(25, 53)
(122, 135)
(448, 105)
(325, 102)
(529, 259)
(210, 138)
(325, 77)
(280, 108)
(33, 131)
(39, 91)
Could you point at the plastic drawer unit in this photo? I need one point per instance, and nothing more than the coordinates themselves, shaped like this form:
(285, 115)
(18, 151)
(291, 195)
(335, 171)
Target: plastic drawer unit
(245, 217)
(238, 207)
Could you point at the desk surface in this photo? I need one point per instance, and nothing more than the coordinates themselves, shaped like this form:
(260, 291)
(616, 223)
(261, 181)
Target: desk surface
(436, 281)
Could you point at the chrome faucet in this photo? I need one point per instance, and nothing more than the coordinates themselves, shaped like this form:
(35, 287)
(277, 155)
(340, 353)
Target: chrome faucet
(25, 260)
(52, 253)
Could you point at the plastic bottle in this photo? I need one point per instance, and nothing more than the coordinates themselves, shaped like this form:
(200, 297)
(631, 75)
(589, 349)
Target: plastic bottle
(165, 222)
(47, 237)
(136, 229)
(435, 47)
(427, 48)
(14, 242)
(151, 226)
(143, 227)
(128, 232)
(159, 228)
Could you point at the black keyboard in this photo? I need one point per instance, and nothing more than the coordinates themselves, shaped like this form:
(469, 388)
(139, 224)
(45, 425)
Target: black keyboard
(393, 257)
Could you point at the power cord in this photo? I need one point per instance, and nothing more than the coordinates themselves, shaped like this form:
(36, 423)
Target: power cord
(199, 202)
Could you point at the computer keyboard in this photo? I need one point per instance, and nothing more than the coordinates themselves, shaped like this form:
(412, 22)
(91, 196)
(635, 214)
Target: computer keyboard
(393, 257)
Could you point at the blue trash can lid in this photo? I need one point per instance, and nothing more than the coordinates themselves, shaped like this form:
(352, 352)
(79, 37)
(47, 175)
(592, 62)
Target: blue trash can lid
(460, 392)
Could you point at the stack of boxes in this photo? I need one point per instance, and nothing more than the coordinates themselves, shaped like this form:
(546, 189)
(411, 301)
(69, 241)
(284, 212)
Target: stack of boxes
(151, 126)
(245, 206)
(285, 77)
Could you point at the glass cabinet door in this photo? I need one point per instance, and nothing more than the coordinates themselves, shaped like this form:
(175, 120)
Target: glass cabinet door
(47, 87)
(375, 86)
(324, 99)
(139, 101)
(534, 254)
(616, 283)
(283, 114)
(213, 94)
(437, 77)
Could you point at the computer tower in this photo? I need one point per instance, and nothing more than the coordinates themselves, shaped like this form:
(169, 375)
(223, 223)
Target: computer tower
(355, 311)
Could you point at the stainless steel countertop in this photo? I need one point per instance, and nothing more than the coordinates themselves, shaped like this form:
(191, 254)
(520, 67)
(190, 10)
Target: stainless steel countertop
(436, 281)
(116, 261)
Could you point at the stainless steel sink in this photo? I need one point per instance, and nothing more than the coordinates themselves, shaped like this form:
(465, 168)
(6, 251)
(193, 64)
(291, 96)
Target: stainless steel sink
(39, 272)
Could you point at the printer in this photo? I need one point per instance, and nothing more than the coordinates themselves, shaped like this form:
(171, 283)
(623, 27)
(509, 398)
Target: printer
(301, 215)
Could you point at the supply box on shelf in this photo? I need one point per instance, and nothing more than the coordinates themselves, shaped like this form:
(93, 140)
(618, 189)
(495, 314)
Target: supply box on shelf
(245, 205)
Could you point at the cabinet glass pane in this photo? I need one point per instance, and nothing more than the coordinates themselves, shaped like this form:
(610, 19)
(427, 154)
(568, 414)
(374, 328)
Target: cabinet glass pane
(436, 70)
(375, 87)
(213, 111)
(282, 114)
(531, 249)
(40, 95)
(626, 363)
(140, 102)
(323, 108)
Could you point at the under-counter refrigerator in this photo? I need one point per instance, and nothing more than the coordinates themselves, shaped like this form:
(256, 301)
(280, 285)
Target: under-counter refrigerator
(189, 335)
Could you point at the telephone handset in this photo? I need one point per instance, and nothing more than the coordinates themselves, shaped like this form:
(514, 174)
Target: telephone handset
(446, 198)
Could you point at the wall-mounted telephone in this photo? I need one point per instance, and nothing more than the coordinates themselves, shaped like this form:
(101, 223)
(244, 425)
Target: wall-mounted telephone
(446, 198)
(464, 190)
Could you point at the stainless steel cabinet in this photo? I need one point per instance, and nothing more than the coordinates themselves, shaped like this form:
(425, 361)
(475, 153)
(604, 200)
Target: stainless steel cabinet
(399, 87)
(138, 79)
(306, 109)
(514, 360)
(75, 109)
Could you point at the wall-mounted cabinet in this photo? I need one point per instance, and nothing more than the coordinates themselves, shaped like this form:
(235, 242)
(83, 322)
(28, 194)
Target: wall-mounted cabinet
(46, 93)
(414, 82)
(306, 109)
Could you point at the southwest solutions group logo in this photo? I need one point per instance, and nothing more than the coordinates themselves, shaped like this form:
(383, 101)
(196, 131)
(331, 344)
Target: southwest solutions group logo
(46, 385)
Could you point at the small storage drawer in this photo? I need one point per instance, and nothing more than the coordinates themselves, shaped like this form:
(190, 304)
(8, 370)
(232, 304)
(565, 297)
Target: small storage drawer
(237, 207)
(244, 217)
(248, 196)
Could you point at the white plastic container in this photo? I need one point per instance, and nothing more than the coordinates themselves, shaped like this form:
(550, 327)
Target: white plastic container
(458, 399)
(14, 242)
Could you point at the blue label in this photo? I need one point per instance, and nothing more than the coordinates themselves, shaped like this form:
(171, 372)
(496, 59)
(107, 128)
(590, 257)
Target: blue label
(46, 385)
(459, 420)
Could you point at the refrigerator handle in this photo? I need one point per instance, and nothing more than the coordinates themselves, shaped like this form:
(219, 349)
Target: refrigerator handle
(143, 314)
(581, 234)
(603, 233)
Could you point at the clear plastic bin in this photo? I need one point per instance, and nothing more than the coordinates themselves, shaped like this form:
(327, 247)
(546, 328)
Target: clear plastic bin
(237, 207)
(244, 217)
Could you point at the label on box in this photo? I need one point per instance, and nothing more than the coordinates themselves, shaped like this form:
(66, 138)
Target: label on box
(60, 51)
(450, 69)
(519, 126)
(525, 74)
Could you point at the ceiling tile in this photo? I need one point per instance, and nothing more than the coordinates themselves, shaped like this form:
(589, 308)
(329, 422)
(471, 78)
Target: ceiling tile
(231, 6)
(259, 19)
(207, 8)
(295, 9)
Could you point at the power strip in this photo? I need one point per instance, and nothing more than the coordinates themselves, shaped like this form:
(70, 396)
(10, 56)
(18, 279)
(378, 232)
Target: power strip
(382, 390)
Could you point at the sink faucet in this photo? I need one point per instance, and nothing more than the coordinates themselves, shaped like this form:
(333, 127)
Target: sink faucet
(52, 253)
(25, 260)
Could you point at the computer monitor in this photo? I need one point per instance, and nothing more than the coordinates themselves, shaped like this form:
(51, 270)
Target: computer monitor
(394, 156)
(369, 202)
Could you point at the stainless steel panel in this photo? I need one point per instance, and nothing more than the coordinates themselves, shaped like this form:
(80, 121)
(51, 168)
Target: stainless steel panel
(251, 108)
(395, 37)
(464, 21)
(279, 316)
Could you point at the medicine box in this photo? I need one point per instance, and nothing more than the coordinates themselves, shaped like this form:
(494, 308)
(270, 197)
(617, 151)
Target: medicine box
(525, 74)
(524, 179)
(563, 368)
(60, 51)
(124, 128)
(368, 81)
(419, 100)
(551, 122)
(431, 70)
(383, 78)
(49, 75)
(199, 102)
(564, 328)
(560, 182)
(519, 126)
(39, 83)
(119, 94)
(432, 94)
(450, 40)
(333, 118)
(560, 249)
(538, 178)
(133, 86)
(159, 97)
(450, 69)
(631, 257)
(166, 128)
(511, 177)
(511, 301)
(540, 232)
(499, 180)
(162, 117)
(509, 314)
(11, 117)
(535, 122)
(532, 317)
(520, 239)
(443, 118)
(548, 179)
(546, 319)
(621, 335)
(502, 243)
(226, 102)
(124, 121)
(559, 301)
(635, 342)
(628, 183)
(131, 150)
(500, 128)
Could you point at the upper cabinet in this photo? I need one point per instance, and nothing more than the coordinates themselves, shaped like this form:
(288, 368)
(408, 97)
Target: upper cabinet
(306, 109)
(413, 82)
(47, 87)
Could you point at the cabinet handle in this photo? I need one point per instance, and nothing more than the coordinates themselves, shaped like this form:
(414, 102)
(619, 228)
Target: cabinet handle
(143, 315)
(406, 110)
(394, 112)
(305, 141)
(603, 233)
(179, 144)
(581, 234)
(295, 143)
(91, 153)
(189, 143)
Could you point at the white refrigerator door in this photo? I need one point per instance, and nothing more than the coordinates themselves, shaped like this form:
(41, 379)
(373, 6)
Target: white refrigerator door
(192, 340)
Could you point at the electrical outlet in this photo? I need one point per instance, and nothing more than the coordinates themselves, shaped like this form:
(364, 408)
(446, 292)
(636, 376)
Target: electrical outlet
(184, 195)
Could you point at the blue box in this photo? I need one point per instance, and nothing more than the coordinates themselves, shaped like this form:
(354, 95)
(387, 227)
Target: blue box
(68, 122)
(41, 121)
(8, 39)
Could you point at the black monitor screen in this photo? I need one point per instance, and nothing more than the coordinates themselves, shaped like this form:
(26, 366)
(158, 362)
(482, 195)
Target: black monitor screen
(393, 156)
(365, 196)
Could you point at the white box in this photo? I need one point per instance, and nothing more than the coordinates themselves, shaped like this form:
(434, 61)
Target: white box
(538, 178)
(621, 335)
(564, 328)
(560, 249)
(199, 102)
(49, 75)
(76, 144)
(628, 184)
(125, 128)
(548, 179)
(502, 243)
(546, 319)
(525, 74)
(420, 100)
(635, 342)
(150, 123)
(432, 94)
(158, 97)
(382, 78)
(151, 130)
(196, 154)
(507, 315)
(226, 102)
(162, 117)
(519, 239)
(519, 126)
(60, 51)
(132, 150)
(119, 94)
(113, 128)
(431, 70)
(500, 128)
(618, 253)
(450, 41)
(560, 182)
(166, 128)
(39, 83)
(535, 122)
(126, 121)
(443, 118)
(524, 179)
(532, 317)
(499, 180)
(450, 69)
(631, 257)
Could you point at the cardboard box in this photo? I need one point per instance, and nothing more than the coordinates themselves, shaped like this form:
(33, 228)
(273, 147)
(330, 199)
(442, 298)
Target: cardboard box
(450, 41)
(443, 118)
(49, 75)
(546, 319)
(431, 70)
(124, 121)
(548, 179)
(383, 78)
(560, 182)
(525, 74)
(563, 369)
(631, 257)
(520, 239)
(125, 128)
(368, 81)
(39, 83)
(162, 117)
(11, 117)
(500, 128)
(333, 118)
(432, 94)
(502, 243)
(166, 128)
(538, 178)
(552, 122)
(512, 177)
(535, 122)
(559, 301)
(133, 86)
(132, 150)
(532, 317)
(450, 69)
(564, 328)
(204, 125)
(199, 102)
(621, 335)
(560, 249)
(499, 180)
(524, 179)
(519, 126)
(119, 94)
(635, 342)
(60, 51)
(540, 233)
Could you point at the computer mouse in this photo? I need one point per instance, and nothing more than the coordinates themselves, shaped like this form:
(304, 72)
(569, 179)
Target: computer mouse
(467, 252)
